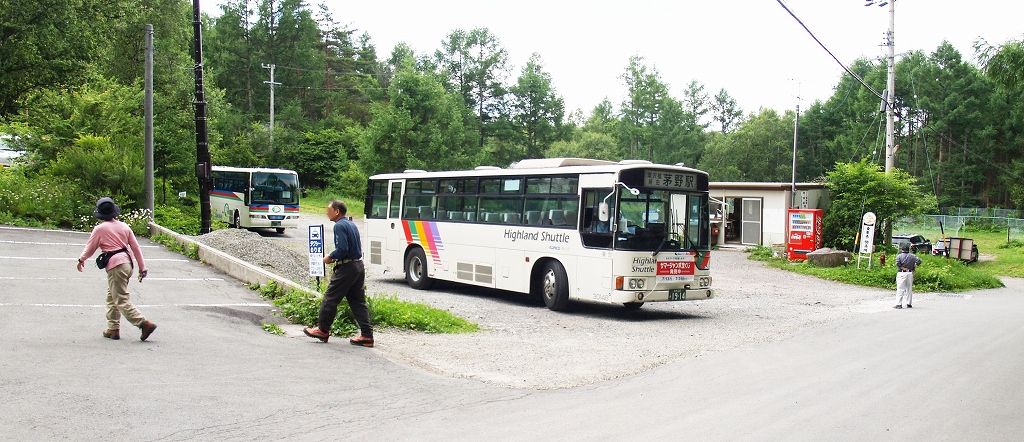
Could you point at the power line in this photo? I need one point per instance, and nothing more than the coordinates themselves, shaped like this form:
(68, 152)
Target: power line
(848, 71)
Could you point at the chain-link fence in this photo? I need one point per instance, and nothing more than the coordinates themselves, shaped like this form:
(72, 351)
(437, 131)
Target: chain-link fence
(964, 220)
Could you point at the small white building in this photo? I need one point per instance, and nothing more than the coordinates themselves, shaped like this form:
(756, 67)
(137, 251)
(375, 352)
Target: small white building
(755, 213)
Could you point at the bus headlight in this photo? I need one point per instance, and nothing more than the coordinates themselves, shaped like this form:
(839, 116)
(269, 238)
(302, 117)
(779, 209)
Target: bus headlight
(636, 283)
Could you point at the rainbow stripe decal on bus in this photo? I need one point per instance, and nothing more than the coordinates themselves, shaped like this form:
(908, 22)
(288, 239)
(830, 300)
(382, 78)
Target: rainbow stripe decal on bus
(425, 234)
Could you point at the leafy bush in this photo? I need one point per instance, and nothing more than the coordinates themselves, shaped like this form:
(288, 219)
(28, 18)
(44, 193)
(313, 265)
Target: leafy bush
(303, 308)
(41, 200)
(101, 168)
(184, 217)
(389, 311)
(935, 274)
(191, 250)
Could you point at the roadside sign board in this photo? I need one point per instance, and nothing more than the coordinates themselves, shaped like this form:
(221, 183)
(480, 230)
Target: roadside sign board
(316, 251)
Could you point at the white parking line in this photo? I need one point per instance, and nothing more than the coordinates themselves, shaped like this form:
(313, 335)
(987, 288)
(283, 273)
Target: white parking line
(151, 278)
(57, 243)
(34, 229)
(237, 304)
(76, 259)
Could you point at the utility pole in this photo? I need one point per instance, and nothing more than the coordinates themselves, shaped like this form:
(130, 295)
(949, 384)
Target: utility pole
(796, 133)
(271, 83)
(203, 166)
(150, 204)
(890, 156)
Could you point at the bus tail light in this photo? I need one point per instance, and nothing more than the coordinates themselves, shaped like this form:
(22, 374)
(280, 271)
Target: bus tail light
(703, 259)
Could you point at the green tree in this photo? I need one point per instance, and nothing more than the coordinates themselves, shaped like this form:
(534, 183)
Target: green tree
(420, 127)
(862, 187)
(476, 67)
(47, 43)
(1003, 64)
(725, 111)
(761, 149)
(537, 111)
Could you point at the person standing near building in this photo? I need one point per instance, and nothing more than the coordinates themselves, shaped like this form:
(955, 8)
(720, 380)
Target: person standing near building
(906, 263)
(347, 280)
(117, 242)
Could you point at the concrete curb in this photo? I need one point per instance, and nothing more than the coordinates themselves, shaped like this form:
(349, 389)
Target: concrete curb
(234, 267)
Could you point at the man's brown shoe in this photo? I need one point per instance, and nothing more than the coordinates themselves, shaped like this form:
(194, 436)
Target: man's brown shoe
(315, 332)
(362, 341)
(112, 334)
(147, 329)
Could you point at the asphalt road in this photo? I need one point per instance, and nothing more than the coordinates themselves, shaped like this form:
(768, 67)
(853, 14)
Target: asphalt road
(946, 371)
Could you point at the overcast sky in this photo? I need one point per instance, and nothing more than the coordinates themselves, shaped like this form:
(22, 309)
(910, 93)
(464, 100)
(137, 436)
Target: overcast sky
(752, 48)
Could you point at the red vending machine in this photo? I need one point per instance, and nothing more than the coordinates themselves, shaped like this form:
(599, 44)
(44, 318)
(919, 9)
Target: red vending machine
(804, 232)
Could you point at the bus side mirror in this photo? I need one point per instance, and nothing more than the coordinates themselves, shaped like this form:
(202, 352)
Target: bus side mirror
(602, 212)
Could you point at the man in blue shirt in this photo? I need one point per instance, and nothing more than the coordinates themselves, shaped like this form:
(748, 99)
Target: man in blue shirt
(347, 280)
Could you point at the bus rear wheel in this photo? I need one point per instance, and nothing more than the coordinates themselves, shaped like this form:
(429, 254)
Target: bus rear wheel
(554, 286)
(416, 270)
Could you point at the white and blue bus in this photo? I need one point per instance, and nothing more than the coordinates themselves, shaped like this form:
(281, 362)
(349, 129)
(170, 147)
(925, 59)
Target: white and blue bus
(560, 229)
(247, 197)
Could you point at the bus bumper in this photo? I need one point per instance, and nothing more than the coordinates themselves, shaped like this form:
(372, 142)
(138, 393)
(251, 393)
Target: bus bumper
(626, 296)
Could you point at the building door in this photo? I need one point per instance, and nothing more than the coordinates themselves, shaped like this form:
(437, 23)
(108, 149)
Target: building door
(750, 220)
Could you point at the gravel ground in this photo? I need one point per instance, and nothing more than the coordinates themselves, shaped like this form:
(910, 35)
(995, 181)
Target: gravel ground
(524, 345)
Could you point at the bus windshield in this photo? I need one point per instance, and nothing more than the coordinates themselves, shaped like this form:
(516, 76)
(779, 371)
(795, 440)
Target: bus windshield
(275, 188)
(661, 220)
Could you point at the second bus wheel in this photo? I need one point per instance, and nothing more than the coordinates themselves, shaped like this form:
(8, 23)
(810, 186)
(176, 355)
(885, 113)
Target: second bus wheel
(416, 270)
(554, 286)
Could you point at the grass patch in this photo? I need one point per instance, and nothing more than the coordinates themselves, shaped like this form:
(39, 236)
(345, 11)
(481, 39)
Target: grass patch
(273, 329)
(303, 308)
(316, 201)
(191, 250)
(936, 274)
(1007, 253)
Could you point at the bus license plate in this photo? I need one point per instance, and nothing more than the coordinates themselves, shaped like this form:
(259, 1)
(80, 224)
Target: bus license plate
(275, 223)
(676, 295)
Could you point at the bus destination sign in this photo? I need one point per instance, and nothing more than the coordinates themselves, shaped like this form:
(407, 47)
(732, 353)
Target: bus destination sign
(658, 179)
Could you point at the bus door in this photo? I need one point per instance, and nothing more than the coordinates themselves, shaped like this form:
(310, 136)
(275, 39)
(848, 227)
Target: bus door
(395, 190)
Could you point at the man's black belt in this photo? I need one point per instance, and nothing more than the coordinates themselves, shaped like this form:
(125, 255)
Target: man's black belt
(346, 261)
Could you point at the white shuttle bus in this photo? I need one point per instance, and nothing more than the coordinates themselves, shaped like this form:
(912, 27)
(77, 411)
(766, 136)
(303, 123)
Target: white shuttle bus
(560, 229)
(246, 197)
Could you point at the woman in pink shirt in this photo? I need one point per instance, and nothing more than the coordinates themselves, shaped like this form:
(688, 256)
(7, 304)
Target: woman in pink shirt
(116, 239)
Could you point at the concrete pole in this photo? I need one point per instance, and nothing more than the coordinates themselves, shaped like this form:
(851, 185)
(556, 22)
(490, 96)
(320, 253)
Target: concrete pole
(148, 180)
(796, 133)
(890, 157)
(271, 83)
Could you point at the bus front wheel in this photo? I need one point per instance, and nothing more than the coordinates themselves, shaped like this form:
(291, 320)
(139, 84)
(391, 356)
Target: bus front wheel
(416, 270)
(554, 286)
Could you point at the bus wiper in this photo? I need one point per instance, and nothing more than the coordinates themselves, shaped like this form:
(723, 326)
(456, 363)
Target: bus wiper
(658, 249)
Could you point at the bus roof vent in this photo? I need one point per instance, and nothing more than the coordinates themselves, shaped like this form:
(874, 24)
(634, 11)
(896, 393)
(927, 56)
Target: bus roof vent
(548, 163)
(486, 168)
(414, 171)
(624, 162)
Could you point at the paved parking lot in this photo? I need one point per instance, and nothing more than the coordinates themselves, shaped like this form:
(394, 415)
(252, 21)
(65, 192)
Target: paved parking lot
(948, 370)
